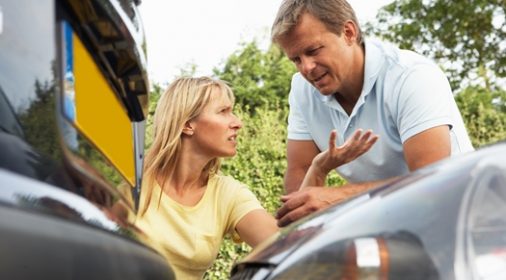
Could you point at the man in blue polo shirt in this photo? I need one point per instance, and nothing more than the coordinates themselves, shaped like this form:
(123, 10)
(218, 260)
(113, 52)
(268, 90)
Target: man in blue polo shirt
(347, 83)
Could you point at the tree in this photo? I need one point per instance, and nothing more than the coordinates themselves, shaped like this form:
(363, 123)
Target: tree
(258, 77)
(484, 113)
(466, 37)
(39, 120)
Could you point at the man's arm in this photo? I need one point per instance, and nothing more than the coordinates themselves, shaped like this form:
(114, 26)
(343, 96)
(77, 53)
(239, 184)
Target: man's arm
(311, 199)
(427, 147)
(300, 154)
(420, 150)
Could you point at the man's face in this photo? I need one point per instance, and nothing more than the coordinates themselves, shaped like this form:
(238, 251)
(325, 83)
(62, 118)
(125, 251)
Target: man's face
(325, 59)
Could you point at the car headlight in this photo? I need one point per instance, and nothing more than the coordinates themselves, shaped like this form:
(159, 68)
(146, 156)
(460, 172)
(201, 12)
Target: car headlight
(398, 255)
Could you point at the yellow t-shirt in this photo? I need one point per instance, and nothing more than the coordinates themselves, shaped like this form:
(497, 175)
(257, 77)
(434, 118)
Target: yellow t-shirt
(189, 237)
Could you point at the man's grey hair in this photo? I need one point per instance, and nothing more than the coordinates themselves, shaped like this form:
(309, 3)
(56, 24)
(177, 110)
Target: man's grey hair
(333, 14)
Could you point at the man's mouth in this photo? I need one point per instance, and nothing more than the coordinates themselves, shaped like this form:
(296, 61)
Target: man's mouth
(319, 78)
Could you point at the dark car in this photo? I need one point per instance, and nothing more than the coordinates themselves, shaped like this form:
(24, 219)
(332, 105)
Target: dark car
(446, 221)
(73, 103)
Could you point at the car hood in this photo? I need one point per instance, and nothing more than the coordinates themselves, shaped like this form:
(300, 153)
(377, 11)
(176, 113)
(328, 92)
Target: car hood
(276, 249)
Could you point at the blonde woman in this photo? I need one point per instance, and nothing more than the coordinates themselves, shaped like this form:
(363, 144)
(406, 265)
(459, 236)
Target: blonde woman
(187, 206)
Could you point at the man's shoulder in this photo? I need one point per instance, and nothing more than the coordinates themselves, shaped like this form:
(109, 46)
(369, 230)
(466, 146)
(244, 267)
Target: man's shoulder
(299, 81)
(396, 57)
(301, 89)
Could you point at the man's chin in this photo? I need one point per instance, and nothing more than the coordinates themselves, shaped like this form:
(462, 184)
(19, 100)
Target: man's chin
(325, 90)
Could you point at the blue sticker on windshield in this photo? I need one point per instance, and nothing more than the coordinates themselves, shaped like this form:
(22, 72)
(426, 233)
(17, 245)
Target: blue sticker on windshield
(69, 106)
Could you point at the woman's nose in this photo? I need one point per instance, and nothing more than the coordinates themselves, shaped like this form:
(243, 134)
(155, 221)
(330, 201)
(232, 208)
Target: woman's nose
(236, 123)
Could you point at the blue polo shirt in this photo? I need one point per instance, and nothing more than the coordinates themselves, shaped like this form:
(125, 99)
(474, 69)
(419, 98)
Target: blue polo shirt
(403, 94)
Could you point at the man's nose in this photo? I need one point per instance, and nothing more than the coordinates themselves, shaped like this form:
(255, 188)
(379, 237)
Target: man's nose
(307, 65)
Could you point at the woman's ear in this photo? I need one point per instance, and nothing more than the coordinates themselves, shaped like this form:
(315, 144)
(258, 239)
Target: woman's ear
(188, 129)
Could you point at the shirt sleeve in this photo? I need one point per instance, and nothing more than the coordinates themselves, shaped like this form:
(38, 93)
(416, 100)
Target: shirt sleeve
(297, 125)
(424, 100)
(243, 201)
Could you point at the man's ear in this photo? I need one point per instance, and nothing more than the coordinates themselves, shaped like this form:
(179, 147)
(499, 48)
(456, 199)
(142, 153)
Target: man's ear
(350, 31)
(188, 129)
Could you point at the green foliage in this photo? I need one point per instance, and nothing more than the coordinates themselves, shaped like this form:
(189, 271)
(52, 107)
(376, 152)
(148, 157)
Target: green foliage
(155, 94)
(39, 120)
(229, 253)
(258, 78)
(260, 163)
(484, 114)
(467, 37)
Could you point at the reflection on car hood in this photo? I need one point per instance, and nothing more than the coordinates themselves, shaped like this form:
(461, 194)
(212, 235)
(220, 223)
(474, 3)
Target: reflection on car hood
(276, 249)
(33, 195)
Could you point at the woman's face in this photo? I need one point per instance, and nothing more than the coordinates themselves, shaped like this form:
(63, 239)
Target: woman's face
(215, 129)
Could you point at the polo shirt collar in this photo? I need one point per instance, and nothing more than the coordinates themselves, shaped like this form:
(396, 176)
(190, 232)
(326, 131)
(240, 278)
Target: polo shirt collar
(374, 60)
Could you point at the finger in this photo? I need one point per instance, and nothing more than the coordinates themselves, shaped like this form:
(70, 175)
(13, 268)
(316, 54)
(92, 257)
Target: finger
(373, 139)
(366, 135)
(332, 139)
(357, 134)
(289, 205)
(370, 142)
(293, 216)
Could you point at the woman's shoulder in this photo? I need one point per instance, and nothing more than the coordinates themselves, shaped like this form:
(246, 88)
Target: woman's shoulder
(225, 181)
(227, 186)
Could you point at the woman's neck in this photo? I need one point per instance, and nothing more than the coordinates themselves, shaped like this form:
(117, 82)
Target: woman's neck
(188, 175)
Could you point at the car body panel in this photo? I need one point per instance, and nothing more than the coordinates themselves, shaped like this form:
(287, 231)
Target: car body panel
(418, 217)
(69, 183)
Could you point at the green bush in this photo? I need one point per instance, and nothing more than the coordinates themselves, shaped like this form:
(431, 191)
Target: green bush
(260, 163)
(484, 113)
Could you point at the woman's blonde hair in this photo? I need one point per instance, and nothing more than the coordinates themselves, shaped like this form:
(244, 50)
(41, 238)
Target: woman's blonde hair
(184, 100)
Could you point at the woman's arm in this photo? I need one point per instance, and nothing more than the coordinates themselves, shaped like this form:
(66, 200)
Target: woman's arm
(256, 226)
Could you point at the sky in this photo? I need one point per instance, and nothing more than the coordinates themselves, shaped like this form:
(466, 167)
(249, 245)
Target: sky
(206, 32)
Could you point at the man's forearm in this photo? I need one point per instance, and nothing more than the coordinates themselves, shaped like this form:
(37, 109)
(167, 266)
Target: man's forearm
(314, 177)
(352, 189)
(293, 180)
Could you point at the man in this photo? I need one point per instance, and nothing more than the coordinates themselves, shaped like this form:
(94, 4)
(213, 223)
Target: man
(346, 82)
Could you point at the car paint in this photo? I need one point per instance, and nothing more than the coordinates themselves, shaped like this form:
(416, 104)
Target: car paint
(69, 184)
(429, 206)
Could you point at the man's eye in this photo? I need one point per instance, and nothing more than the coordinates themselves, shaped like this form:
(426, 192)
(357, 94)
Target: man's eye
(314, 51)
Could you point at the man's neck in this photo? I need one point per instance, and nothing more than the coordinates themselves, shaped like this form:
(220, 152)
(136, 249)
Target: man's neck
(349, 96)
(346, 102)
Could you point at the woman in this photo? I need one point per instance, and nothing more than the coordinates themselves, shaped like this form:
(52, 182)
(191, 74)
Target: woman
(187, 206)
